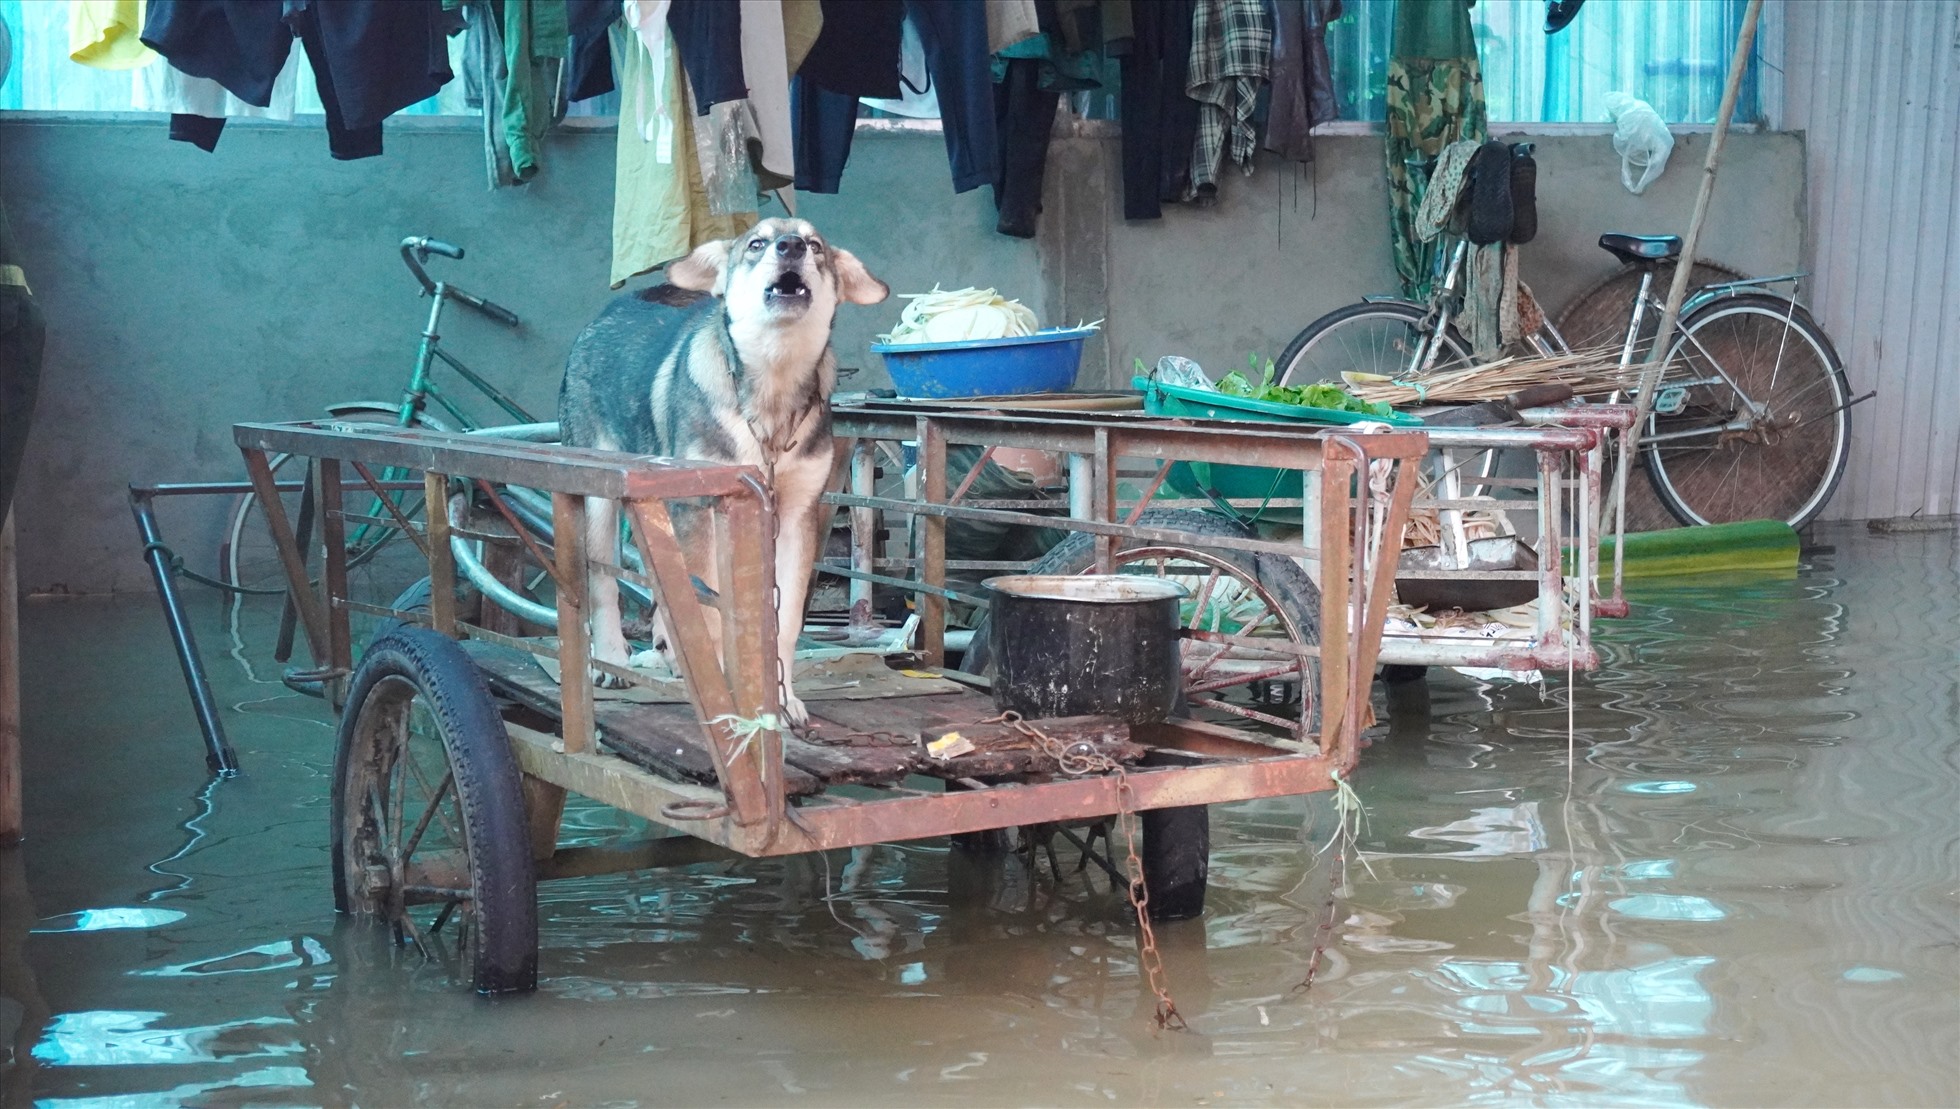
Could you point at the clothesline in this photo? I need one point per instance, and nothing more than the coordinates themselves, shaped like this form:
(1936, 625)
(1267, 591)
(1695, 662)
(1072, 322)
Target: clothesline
(724, 101)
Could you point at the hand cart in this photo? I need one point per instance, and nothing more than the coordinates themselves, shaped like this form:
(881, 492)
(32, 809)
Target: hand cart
(457, 749)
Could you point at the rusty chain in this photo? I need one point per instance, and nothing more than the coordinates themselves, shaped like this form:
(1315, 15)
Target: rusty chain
(1080, 759)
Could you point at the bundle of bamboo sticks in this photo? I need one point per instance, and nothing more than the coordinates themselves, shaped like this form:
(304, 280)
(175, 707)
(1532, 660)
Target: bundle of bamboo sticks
(1589, 372)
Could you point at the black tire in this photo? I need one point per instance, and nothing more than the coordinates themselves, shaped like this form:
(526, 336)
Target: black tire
(417, 697)
(1176, 857)
(1788, 460)
(1372, 337)
(1276, 583)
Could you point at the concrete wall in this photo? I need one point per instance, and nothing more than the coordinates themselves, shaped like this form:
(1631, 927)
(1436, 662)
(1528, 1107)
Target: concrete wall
(186, 291)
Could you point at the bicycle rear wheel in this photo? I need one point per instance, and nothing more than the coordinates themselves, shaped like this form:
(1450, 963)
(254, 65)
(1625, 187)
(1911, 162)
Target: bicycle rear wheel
(1752, 419)
(248, 559)
(1378, 338)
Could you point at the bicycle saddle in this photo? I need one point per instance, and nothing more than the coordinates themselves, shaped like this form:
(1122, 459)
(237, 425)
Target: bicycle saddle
(1641, 248)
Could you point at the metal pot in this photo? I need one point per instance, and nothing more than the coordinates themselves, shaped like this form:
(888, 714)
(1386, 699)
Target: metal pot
(1085, 645)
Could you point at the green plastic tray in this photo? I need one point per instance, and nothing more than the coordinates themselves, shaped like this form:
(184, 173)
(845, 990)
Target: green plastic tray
(1179, 400)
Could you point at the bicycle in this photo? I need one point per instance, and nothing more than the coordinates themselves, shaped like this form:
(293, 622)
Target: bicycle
(1751, 417)
(247, 561)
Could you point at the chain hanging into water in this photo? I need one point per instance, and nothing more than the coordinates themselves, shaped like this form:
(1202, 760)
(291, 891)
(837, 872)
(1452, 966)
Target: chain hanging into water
(1080, 759)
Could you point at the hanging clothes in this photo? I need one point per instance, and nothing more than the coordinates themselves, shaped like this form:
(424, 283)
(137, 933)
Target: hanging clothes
(660, 205)
(370, 58)
(737, 60)
(1231, 52)
(825, 94)
(1029, 79)
(107, 34)
(589, 22)
(238, 44)
(1160, 122)
(857, 51)
(707, 35)
(485, 73)
(199, 106)
(1498, 309)
(536, 42)
(1303, 80)
(765, 65)
(1010, 21)
(1024, 121)
(955, 40)
(1435, 97)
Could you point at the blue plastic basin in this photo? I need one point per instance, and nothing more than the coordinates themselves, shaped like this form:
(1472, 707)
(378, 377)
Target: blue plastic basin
(1045, 362)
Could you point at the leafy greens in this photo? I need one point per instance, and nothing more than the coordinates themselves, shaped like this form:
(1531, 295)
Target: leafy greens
(1321, 395)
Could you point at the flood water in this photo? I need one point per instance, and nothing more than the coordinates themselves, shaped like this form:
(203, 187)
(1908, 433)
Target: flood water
(1735, 881)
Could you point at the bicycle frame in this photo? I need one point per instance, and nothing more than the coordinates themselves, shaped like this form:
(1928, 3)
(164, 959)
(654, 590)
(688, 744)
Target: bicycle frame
(422, 386)
(1644, 300)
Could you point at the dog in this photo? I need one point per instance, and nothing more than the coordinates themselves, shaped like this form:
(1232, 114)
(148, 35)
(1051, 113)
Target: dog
(728, 362)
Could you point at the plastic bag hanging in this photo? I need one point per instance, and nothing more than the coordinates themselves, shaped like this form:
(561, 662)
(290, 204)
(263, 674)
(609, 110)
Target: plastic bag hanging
(1641, 139)
(726, 171)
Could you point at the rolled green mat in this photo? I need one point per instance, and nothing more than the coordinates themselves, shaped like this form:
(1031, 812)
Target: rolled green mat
(1744, 545)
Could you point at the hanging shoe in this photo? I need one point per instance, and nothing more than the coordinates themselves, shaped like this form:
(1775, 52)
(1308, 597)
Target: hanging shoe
(1558, 13)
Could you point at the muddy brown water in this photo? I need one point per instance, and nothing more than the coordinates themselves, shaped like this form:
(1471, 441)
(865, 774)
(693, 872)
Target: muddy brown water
(1740, 885)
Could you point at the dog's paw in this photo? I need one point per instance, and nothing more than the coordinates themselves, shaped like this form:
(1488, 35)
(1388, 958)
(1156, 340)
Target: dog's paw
(603, 680)
(656, 662)
(794, 713)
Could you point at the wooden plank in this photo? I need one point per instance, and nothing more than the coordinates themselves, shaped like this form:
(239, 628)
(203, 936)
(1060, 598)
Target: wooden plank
(1004, 751)
(667, 739)
(574, 636)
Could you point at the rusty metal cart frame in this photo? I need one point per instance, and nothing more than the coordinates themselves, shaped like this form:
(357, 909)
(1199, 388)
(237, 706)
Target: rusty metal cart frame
(748, 809)
(1568, 445)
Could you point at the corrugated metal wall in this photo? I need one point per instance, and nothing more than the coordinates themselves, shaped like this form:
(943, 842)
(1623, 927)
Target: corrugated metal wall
(1875, 85)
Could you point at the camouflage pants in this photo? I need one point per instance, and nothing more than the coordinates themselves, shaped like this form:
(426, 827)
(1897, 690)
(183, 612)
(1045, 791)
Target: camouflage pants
(1432, 102)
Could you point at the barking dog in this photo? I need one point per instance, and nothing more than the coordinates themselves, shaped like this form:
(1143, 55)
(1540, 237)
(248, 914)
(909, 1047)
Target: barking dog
(729, 363)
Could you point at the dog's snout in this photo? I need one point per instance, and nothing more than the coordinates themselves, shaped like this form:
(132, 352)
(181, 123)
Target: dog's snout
(791, 247)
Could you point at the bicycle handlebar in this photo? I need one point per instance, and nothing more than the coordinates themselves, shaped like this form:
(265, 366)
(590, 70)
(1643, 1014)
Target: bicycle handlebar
(416, 250)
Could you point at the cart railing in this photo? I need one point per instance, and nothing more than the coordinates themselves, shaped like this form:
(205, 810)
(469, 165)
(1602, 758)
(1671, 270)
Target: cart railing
(730, 680)
(724, 691)
(1350, 535)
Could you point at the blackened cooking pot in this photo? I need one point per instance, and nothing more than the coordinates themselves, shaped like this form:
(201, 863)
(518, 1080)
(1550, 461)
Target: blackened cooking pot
(1085, 645)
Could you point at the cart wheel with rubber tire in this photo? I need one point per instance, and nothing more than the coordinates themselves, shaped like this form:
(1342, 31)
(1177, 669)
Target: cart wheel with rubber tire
(1176, 858)
(1246, 615)
(429, 829)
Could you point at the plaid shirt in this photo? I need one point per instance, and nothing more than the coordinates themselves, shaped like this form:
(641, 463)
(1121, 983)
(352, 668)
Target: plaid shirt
(1231, 57)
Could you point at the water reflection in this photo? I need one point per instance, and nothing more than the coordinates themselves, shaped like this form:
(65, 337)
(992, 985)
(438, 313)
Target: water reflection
(1736, 888)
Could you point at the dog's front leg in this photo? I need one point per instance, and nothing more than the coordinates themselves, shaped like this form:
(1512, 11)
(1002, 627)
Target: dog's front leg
(797, 540)
(602, 590)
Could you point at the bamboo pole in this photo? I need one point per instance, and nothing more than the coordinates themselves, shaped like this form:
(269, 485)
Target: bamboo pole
(1684, 266)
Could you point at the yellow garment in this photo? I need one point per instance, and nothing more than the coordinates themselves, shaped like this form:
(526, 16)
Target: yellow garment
(802, 23)
(103, 34)
(660, 208)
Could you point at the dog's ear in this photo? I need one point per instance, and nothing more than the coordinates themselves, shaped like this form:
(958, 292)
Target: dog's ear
(702, 270)
(854, 282)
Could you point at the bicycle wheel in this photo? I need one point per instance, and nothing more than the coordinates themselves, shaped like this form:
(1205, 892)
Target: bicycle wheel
(1751, 420)
(1245, 613)
(247, 557)
(1376, 338)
